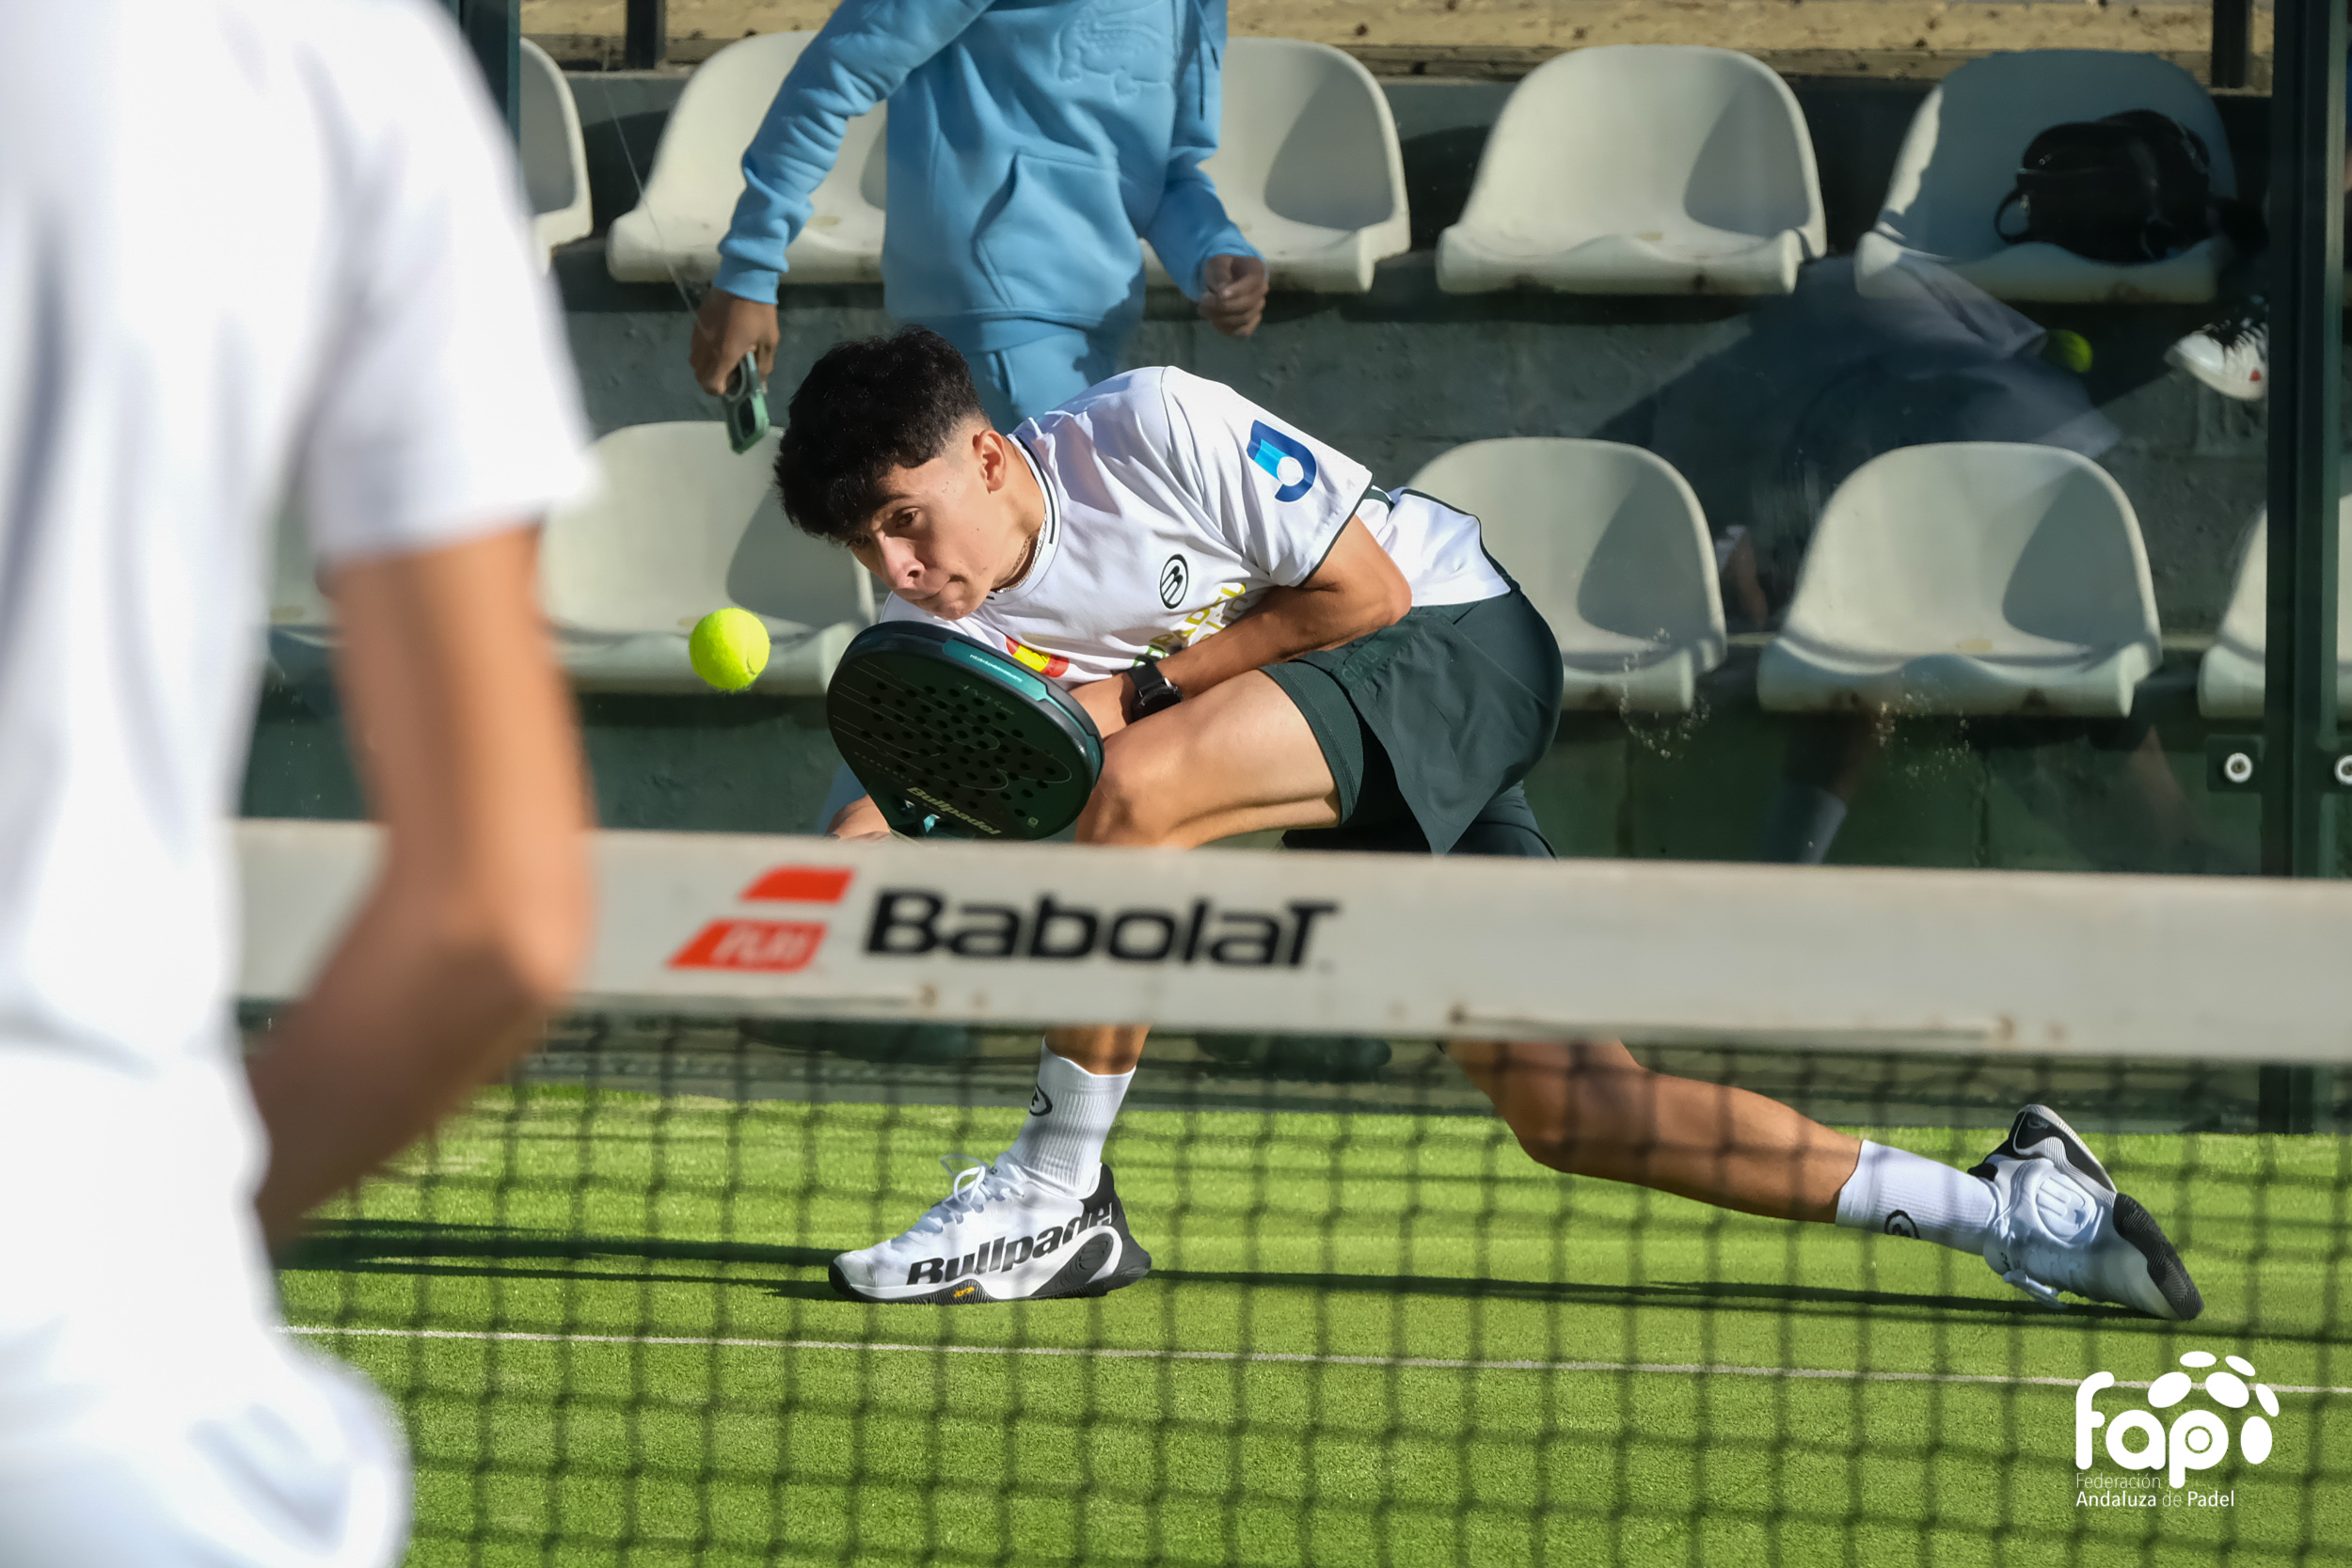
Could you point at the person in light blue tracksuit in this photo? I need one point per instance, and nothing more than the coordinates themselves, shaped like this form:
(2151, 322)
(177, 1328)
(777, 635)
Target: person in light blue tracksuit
(1030, 142)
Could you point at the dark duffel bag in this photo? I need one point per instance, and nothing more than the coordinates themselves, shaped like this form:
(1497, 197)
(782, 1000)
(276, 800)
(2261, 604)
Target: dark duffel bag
(2135, 186)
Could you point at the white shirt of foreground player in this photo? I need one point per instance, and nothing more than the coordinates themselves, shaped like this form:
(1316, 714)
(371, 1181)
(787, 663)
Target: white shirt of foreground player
(1171, 505)
(244, 244)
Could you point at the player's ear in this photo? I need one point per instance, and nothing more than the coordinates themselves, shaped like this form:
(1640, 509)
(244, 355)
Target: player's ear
(994, 453)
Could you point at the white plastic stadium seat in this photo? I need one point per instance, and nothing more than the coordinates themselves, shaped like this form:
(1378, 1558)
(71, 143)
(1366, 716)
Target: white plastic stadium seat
(2229, 680)
(1961, 159)
(1610, 544)
(683, 527)
(690, 196)
(555, 161)
(1642, 169)
(1307, 166)
(1976, 577)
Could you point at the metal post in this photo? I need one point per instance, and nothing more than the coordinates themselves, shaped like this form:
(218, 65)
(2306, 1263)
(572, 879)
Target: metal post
(648, 41)
(495, 30)
(2233, 40)
(2306, 354)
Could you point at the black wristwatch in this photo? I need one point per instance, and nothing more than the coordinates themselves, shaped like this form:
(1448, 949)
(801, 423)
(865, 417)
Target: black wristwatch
(1154, 690)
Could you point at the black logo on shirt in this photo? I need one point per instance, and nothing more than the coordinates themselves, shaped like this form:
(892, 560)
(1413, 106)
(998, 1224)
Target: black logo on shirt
(1175, 577)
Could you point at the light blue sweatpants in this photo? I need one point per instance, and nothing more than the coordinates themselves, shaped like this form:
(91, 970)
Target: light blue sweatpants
(1024, 368)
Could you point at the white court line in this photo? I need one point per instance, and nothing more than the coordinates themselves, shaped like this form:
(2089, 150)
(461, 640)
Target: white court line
(1418, 1363)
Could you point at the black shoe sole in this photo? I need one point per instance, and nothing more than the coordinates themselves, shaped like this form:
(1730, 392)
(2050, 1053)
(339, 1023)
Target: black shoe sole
(2139, 1228)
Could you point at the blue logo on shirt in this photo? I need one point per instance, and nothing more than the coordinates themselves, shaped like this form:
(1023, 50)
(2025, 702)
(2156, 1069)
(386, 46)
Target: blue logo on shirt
(1269, 445)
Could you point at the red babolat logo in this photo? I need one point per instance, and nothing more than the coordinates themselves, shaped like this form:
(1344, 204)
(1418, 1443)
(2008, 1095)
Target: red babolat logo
(769, 946)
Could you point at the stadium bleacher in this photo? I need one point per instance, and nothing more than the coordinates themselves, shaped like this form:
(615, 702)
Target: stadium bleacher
(1307, 166)
(1309, 134)
(1975, 578)
(1643, 169)
(1608, 542)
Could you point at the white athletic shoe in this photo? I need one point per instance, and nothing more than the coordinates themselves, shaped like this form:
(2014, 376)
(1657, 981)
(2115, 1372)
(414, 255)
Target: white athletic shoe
(2230, 354)
(1001, 1235)
(2059, 1225)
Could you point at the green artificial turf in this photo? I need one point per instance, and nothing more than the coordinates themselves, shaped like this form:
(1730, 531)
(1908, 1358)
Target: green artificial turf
(1440, 1331)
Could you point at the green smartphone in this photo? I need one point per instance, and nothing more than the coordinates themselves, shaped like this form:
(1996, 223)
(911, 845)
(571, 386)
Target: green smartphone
(746, 404)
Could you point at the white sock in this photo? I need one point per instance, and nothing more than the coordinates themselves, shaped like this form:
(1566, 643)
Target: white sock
(1069, 1115)
(1902, 1193)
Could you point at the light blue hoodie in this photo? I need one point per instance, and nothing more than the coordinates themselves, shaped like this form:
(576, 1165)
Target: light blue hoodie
(1031, 141)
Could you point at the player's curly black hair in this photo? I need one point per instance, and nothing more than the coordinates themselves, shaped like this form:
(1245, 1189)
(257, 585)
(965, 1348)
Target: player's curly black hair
(868, 407)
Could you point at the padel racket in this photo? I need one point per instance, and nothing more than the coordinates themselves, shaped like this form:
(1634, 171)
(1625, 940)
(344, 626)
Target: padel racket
(953, 739)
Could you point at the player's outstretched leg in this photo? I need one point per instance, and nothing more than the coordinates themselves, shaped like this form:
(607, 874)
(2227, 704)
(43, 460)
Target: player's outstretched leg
(1043, 1220)
(2038, 1209)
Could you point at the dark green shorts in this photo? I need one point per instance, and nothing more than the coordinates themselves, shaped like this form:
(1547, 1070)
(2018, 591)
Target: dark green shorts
(1429, 726)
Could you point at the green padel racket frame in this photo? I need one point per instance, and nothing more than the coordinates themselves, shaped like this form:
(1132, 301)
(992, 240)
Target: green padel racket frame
(953, 739)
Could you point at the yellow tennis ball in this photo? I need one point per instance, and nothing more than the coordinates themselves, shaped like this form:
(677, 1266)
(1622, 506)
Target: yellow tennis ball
(2071, 350)
(729, 648)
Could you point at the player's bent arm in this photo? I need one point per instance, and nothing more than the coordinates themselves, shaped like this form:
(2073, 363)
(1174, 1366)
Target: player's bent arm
(464, 733)
(1357, 590)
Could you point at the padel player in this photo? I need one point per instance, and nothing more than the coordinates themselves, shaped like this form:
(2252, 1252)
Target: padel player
(1268, 642)
(355, 316)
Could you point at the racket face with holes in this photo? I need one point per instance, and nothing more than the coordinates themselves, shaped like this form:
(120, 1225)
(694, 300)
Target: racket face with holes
(954, 739)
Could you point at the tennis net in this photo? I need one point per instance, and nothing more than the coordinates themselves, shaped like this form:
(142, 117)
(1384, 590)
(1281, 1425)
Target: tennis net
(1376, 1329)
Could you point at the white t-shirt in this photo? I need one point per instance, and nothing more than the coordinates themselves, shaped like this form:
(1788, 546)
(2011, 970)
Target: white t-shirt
(1171, 505)
(246, 246)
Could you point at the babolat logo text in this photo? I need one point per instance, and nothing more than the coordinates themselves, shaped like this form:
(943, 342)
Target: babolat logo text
(909, 922)
(2192, 1439)
(1008, 1252)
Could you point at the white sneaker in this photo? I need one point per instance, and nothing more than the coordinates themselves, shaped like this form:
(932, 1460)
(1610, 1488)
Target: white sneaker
(1001, 1235)
(2230, 354)
(2059, 1225)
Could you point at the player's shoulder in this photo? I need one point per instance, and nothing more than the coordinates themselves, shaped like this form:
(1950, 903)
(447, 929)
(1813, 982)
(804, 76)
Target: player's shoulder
(1158, 407)
(1155, 387)
(1130, 395)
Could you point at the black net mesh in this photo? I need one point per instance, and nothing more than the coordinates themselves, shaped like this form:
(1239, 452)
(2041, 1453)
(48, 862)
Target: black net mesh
(1375, 1330)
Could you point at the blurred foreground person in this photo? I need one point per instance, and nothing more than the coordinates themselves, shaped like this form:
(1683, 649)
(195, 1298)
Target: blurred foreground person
(353, 322)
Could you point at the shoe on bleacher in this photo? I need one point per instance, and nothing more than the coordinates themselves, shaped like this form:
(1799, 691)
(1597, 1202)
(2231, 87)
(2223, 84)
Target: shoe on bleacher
(1000, 1235)
(2230, 354)
(2059, 1225)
